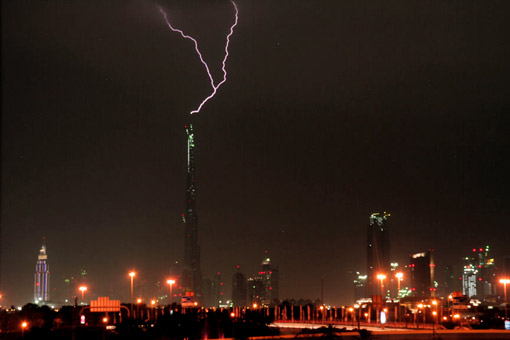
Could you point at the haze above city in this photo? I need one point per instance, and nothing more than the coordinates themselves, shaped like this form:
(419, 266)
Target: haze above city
(333, 110)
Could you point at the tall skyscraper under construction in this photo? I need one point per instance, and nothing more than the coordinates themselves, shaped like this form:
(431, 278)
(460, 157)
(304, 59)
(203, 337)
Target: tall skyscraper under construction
(42, 277)
(192, 275)
(378, 251)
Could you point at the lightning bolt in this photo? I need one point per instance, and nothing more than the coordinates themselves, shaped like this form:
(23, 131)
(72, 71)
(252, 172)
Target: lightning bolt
(223, 68)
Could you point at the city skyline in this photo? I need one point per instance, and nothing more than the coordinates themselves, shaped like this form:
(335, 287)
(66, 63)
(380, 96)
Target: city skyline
(373, 107)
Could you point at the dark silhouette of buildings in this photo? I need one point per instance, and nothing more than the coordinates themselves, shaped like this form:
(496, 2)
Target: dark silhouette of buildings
(378, 251)
(192, 276)
(239, 289)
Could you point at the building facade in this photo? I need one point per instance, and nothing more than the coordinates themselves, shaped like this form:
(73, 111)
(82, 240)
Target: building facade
(192, 275)
(42, 277)
(421, 270)
(239, 289)
(378, 251)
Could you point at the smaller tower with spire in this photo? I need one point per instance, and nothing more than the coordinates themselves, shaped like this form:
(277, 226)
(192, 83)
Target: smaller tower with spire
(42, 276)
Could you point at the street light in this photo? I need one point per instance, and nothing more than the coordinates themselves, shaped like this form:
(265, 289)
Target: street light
(504, 282)
(83, 289)
(399, 277)
(24, 325)
(171, 282)
(358, 307)
(381, 277)
(352, 315)
(138, 302)
(153, 302)
(132, 275)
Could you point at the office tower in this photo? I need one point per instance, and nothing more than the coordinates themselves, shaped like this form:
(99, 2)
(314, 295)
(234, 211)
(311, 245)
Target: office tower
(192, 276)
(239, 289)
(421, 270)
(42, 277)
(360, 282)
(264, 288)
(208, 296)
(449, 280)
(219, 296)
(378, 251)
(256, 290)
(479, 274)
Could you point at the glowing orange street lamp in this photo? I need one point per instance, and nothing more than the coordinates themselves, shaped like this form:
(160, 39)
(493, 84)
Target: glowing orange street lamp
(381, 277)
(504, 282)
(24, 325)
(171, 282)
(83, 289)
(399, 277)
(132, 275)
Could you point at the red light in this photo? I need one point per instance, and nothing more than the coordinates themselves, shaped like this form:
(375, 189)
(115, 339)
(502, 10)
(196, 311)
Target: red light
(474, 249)
(481, 249)
(37, 284)
(270, 288)
(480, 279)
(218, 273)
(221, 283)
(460, 278)
(479, 266)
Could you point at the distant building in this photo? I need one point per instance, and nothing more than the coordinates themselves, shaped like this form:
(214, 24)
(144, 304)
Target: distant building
(264, 288)
(360, 282)
(42, 277)
(449, 280)
(239, 289)
(479, 274)
(219, 296)
(255, 290)
(378, 251)
(421, 270)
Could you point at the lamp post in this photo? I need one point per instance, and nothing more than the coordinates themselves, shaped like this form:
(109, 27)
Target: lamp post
(434, 314)
(153, 302)
(138, 302)
(399, 277)
(171, 282)
(358, 307)
(420, 307)
(24, 325)
(83, 289)
(504, 282)
(352, 316)
(381, 277)
(132, 275)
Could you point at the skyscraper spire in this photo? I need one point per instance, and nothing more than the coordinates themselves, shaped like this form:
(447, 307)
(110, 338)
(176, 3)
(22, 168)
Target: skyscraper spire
(192, 274)
(42, 276)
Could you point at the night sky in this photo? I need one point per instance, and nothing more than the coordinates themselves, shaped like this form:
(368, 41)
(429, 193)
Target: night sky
(332, 110)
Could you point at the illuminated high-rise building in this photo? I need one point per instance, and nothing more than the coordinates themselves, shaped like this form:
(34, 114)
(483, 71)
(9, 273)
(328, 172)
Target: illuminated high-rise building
(264, 288)
(378, 251)
(360, 282)
(192, 275)
(479, 274)
(42, 277)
